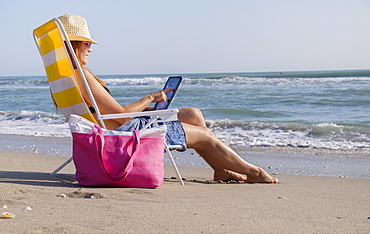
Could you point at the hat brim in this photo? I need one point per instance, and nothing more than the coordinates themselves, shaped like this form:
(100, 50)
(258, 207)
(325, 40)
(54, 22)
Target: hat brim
(81, 38)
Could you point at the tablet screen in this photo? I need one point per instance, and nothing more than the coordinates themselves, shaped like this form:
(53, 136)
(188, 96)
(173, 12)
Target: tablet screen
(173, 82)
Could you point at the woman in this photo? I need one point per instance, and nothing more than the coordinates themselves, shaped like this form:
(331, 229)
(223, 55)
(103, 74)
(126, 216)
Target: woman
(191, 128)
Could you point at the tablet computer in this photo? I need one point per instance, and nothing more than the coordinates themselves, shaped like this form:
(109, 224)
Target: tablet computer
(173, 82)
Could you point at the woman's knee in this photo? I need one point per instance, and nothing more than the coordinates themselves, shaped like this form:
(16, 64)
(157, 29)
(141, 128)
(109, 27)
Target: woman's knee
(192, 115)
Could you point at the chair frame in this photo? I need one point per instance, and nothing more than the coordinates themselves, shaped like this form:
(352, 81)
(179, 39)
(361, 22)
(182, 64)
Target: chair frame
(156, 116)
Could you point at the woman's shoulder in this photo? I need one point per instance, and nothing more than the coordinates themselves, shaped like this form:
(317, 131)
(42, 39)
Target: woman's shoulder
(91, 77)
(85, 72)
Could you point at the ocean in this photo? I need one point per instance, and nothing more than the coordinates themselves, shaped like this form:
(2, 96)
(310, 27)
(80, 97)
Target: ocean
(319, 110)
(296, 109)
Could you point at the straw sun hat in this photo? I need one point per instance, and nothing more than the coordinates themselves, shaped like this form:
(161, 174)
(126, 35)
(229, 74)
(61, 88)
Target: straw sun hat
(76, 28)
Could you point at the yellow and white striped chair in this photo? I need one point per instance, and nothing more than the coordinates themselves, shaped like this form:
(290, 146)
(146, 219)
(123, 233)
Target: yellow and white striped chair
(53, 44)
(60, 73)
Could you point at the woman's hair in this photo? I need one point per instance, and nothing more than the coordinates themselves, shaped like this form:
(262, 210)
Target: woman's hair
(76, 46)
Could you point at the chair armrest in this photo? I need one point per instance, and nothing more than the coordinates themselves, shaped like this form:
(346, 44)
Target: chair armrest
(165, 115)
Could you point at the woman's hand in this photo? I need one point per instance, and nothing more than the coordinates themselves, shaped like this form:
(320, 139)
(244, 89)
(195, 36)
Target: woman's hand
(160, 96)
(149, 109)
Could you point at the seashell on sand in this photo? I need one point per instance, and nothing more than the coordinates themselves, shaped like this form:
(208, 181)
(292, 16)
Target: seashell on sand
(27, 208)
(4, 206)
(282, 197)
(8, 215)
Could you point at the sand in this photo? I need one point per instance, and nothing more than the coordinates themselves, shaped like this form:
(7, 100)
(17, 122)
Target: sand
(299, 204)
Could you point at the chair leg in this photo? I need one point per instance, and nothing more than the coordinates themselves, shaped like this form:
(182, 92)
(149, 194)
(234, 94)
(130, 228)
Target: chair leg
(62, 166)
(174, 166)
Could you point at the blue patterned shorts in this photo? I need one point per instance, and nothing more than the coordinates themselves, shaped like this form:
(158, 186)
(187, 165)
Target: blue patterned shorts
(175, 133)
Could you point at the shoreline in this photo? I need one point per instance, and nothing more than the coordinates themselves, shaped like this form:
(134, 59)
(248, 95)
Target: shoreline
(304, 204)
(275, 160)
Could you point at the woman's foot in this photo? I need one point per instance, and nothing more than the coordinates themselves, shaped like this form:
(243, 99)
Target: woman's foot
(227, 175)
(261, 176)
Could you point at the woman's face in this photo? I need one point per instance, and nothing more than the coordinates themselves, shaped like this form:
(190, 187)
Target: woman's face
(83, 52)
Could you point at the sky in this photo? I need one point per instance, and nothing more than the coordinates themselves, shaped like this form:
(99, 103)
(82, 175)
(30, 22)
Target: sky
(197, 36)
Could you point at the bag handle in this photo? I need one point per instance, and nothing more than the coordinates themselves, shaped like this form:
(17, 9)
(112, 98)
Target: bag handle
(98, 135)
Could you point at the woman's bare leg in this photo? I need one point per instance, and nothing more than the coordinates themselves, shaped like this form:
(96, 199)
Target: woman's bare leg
(219, 172)
(226, 163)
(222, 158)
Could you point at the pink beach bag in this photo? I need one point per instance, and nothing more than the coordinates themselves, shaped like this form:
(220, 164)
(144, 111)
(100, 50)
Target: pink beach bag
(118, 160)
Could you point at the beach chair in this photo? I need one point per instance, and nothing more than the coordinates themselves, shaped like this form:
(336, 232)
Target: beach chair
(52, 42)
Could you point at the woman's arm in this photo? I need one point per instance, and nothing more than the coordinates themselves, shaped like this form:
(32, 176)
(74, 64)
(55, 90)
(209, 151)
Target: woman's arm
(108, 105)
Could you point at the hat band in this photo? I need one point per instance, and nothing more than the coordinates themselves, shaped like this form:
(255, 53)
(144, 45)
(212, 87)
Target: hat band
(81, 38)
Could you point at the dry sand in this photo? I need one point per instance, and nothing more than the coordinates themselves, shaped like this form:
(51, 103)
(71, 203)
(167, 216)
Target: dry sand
(299, 204)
